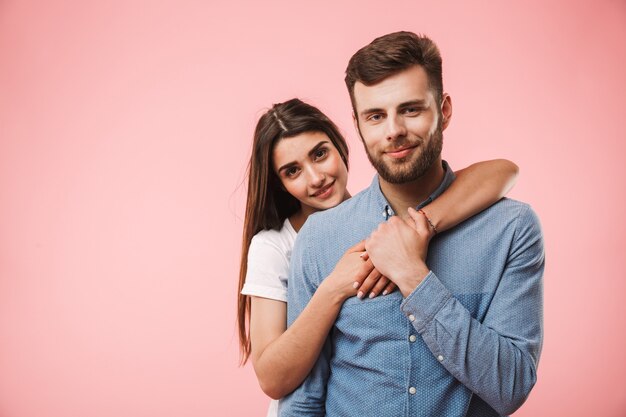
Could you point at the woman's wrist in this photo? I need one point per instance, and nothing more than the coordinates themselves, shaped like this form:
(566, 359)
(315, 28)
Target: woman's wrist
(432, 220)
(432, 223)
(331, 293)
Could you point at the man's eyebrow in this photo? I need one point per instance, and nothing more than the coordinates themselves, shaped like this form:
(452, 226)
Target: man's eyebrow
(416, 103)
(310, 153)
(370, 111)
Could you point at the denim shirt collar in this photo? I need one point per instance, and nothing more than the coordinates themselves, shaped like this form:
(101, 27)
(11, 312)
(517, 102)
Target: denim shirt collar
(385, 207)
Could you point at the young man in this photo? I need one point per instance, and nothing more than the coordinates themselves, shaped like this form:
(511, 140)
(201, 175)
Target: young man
(463, 335)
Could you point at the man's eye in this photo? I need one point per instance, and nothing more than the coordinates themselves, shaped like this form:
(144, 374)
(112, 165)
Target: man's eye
(411, 110)
(320, 153)
(375, 117)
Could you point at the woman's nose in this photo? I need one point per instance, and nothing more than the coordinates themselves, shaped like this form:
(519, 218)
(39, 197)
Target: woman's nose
(316, 177)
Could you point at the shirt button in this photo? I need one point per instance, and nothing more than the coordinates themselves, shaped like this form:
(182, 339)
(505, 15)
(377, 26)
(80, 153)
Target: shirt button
(411, 317)
(412, 338)
(412, 390)
(440, 358)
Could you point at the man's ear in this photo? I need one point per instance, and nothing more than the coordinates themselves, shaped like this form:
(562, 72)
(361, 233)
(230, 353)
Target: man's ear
(446, 110)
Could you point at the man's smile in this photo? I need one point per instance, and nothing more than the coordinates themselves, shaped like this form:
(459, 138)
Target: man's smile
(402, 151)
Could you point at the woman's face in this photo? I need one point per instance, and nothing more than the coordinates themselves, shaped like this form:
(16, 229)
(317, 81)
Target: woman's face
(311, 169)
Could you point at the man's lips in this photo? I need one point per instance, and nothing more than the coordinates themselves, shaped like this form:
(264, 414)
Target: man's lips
(401, 152)
(324, 190)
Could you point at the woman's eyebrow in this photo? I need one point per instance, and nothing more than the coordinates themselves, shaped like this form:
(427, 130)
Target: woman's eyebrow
(316, 147)
(289, 165)
(310, 153)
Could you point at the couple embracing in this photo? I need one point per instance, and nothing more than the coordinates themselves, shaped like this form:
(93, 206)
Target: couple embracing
(419, 296)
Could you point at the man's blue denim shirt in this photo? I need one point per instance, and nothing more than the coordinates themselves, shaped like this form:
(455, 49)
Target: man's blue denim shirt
(465, 342)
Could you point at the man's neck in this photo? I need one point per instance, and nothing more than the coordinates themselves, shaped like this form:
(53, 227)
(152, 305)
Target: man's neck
(410, 194)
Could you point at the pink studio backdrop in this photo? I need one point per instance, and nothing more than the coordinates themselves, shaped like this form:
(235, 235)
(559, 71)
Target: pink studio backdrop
(125, 130)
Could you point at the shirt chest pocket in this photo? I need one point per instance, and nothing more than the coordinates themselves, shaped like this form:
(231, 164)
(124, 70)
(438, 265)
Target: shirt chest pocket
(372, 333)
(371, 318)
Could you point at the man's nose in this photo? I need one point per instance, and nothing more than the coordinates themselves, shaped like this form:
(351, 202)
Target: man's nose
(395, 127)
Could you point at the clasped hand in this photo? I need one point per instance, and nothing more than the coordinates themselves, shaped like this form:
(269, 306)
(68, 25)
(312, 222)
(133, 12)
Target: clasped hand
(393, 256)
(398, 249)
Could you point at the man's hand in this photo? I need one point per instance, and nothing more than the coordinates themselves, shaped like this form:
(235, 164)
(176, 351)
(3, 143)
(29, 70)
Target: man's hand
(398, 249)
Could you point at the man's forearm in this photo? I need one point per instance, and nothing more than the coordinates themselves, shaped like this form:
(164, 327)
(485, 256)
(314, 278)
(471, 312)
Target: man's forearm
(497, 356)
(490, 364)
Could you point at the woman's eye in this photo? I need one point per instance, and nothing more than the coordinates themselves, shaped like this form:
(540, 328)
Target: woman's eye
(291, 172)
(320, 153)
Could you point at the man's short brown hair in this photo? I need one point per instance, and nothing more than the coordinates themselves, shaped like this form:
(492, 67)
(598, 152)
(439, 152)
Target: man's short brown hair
(390, 54)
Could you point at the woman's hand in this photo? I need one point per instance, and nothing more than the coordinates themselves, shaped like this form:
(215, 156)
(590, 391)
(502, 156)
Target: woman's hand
(355, 274)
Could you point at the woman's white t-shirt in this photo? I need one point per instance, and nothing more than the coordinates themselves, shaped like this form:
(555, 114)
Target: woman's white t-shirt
(268, 269)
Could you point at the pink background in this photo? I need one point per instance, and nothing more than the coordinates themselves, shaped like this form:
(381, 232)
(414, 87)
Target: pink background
(125, 129)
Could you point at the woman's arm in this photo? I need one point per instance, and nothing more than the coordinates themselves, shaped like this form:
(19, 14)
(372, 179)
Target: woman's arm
(476, 187)
(282, 357)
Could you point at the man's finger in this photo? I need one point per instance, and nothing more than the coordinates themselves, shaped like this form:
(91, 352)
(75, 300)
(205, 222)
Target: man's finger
(420, 224)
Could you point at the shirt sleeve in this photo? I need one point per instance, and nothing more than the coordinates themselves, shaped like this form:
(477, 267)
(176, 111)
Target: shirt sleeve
(496, 359)
(268, 268)
(310, 397)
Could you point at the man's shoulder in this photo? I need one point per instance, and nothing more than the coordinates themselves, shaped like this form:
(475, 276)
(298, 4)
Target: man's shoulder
(514, 215)
(327, 234)
(335, 217)
(510, 208)
(507, 203)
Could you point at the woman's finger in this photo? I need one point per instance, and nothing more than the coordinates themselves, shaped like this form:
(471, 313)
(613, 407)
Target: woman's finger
(363, 273)
(391, 287)
(359, 247)
(380, 285)
(369, 283)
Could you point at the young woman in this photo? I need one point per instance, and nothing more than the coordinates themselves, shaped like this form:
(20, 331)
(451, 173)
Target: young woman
(299, 165)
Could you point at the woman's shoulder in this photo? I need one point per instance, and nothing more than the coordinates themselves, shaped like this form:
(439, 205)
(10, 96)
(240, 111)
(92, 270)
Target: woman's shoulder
(282, 238)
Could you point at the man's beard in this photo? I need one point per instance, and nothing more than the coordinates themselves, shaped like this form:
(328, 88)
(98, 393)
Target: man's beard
(402, 170)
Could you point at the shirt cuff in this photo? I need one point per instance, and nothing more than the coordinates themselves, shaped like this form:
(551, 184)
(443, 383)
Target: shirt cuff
(425, 301)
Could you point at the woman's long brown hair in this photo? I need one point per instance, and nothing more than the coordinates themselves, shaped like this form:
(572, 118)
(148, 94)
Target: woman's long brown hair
(268, 204)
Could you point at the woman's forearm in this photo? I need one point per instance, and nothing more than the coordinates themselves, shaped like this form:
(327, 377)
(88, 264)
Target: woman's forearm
(286, 361)
(476, 187)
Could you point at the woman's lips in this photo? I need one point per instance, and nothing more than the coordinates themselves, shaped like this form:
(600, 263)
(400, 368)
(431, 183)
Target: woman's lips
(325, 191)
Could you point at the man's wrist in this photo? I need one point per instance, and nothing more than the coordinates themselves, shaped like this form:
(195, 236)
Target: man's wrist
(413, 279)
